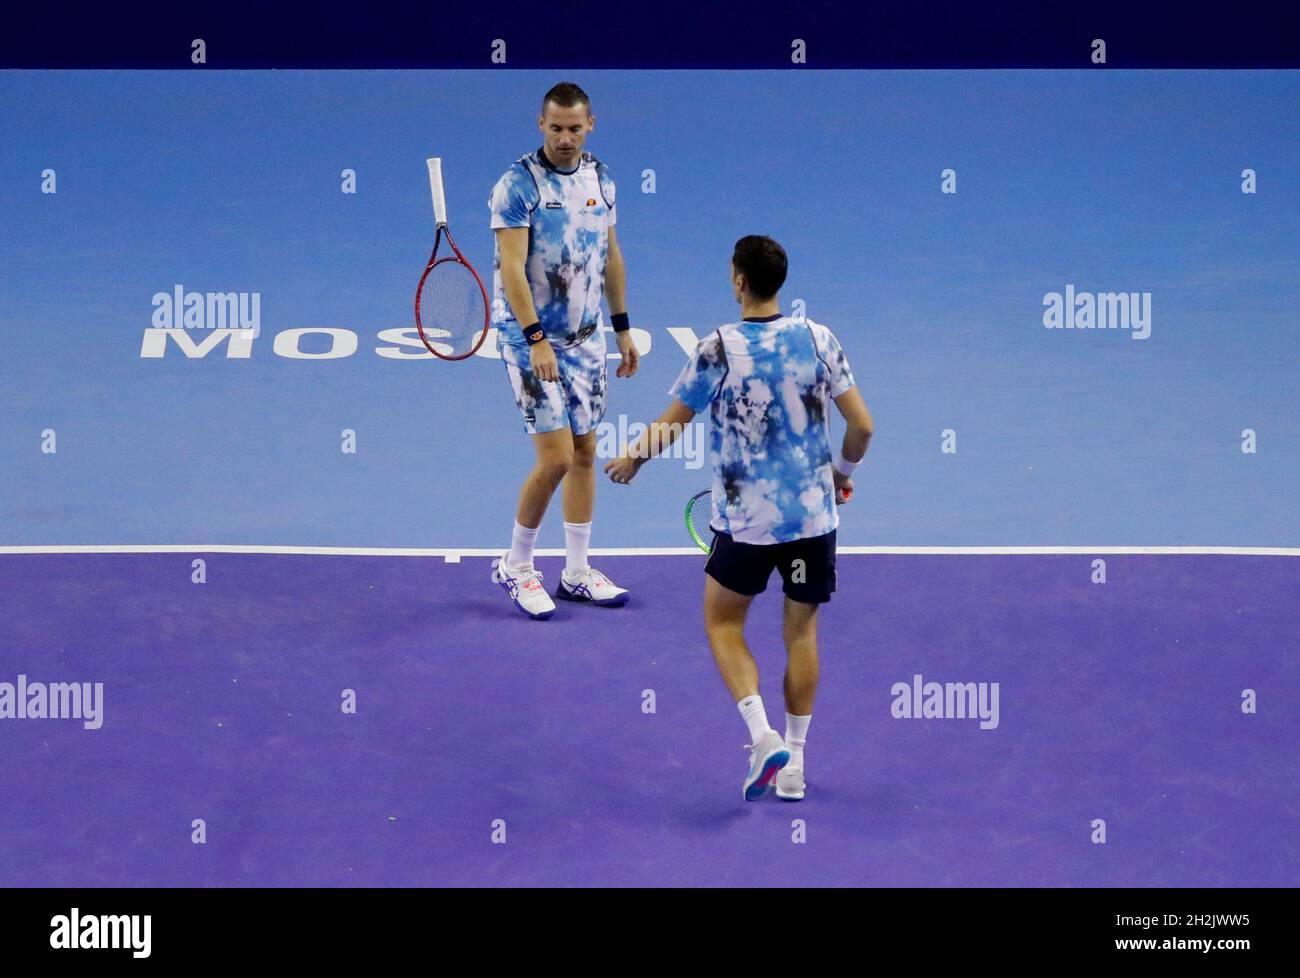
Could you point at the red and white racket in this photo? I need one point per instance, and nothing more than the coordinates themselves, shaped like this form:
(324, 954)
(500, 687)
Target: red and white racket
(451, 305)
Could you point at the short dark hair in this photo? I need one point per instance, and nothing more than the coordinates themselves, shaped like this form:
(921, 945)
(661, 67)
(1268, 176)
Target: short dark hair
(566, 95)
(763, 263)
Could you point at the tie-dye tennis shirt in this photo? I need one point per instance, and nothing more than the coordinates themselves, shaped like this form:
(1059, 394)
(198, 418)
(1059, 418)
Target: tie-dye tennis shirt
(568, 215)
(768, 386)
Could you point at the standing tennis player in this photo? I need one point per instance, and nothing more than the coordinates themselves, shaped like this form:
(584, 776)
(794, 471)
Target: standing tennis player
(556, 255)
(767, 382)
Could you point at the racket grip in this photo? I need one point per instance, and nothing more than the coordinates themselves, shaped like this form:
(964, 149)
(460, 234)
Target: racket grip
(435, 187)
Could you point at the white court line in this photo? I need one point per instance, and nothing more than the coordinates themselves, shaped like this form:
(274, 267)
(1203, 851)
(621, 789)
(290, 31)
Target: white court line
(453, 555)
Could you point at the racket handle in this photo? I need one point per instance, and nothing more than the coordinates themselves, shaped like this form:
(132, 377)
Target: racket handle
(435, 187)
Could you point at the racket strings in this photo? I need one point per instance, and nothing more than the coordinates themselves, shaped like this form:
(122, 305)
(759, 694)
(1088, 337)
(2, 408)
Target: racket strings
(453, 309)
(701, 514)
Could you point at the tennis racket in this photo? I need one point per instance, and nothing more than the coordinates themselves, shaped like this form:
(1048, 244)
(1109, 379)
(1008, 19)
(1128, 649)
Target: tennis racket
(699, 511)
(451, 307)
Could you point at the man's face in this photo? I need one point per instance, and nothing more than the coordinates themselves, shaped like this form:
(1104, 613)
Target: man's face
(563, 133)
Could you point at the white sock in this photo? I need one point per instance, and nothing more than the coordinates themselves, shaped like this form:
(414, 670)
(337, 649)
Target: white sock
(521, 546)
(576, 538)
(751, 708)
(796, 735)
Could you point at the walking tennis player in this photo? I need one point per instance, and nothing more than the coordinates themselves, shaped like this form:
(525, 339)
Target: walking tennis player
(556, 254)
(767, 382)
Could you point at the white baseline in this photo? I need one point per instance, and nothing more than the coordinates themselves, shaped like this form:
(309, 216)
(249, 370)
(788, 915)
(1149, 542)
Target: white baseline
(454, 554)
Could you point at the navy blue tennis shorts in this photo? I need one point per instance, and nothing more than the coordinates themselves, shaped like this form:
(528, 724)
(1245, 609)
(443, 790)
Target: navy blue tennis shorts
(807, 567)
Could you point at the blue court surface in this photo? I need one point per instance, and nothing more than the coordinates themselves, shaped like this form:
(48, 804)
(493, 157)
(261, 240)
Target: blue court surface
(1094, 527)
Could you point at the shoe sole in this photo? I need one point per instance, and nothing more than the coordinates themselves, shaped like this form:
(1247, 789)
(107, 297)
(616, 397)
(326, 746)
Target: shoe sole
(564, 595)
(778, 760)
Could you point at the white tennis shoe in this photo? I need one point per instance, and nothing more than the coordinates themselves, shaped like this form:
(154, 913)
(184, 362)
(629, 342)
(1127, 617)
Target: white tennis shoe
(767, 758)
(790, 784)
(592, 586)
(524, 585)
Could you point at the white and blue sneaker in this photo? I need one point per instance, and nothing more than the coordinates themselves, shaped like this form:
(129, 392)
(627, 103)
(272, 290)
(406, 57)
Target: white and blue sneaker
(790, 784)
(592, 586)
(768, 757)
(524, 585)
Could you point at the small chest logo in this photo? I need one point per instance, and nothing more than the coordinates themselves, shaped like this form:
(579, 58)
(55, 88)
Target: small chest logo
(554, 205)
(591, 201)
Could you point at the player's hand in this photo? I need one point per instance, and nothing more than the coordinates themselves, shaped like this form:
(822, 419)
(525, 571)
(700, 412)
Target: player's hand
(843, 488)
(631, 358)
(623, 469)
(542, 357)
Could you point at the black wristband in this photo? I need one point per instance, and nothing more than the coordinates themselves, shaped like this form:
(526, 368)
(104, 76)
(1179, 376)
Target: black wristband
(534, 334)
(619, 321)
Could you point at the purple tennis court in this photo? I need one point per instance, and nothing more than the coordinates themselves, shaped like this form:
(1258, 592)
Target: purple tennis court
(359, 720)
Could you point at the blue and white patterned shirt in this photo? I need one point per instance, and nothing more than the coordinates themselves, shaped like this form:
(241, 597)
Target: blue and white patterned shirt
(769, 385)
(568, 214)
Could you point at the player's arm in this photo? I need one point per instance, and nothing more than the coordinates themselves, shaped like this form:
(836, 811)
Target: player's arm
(616, 295)
(615, 276)
(857, 434)
(513, 244)
(658, 436)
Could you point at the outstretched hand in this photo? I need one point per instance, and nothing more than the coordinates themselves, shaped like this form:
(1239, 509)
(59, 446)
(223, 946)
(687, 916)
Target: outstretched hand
(623, 469)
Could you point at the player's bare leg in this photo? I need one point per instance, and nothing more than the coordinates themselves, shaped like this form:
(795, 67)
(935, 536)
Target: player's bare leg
(515, 571)
(580, 482)
(802, 668)
(802, 671)
(555, 454)
(724, 623)
(580, 582)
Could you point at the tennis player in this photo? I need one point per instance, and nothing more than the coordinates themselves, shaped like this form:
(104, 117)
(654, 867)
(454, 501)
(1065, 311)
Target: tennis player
(556, 255)
(767, 382)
